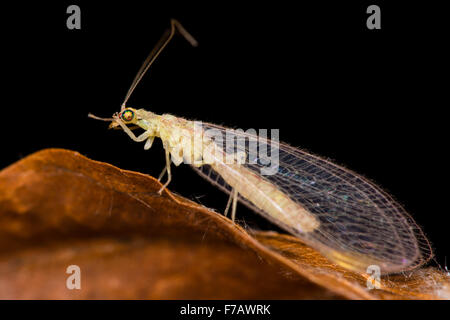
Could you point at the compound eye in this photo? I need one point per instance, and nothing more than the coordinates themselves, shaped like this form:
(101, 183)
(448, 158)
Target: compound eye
(127, 115)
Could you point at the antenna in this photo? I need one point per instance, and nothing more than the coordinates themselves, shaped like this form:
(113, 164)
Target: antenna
(162, 43)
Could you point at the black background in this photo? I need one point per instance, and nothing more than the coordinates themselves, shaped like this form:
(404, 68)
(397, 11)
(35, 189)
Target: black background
(371, 100)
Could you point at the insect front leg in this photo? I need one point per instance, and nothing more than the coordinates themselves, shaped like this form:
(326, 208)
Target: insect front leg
(130, 133)
(149, 142)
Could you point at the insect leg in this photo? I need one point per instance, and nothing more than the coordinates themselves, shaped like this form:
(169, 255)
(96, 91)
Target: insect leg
(162, 174)
(233, 209)
(130, 133)
(149, 142)
(169, 174)
(229, 203)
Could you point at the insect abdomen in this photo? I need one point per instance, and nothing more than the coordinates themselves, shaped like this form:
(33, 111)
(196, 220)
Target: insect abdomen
(267, 197)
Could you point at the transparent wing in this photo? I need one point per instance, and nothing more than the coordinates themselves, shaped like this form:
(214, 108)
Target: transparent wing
(360, 225)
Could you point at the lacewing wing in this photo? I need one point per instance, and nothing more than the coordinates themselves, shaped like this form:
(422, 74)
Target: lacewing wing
(357, 224)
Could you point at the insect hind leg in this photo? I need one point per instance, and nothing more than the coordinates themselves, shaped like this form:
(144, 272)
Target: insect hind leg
(225, 213)
(234, 206)
(232, 201)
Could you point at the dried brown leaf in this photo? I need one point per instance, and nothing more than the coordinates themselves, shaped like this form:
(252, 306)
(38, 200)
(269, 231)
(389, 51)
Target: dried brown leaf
(58, 208)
